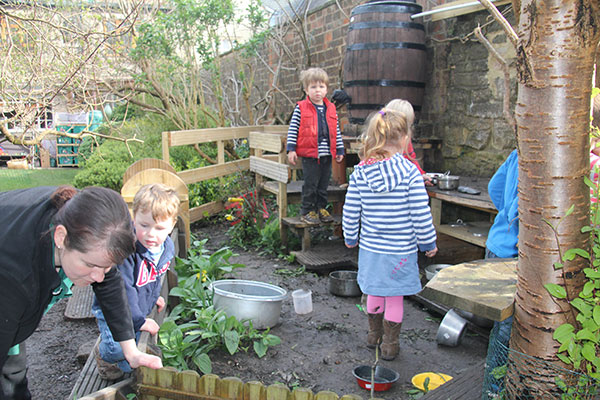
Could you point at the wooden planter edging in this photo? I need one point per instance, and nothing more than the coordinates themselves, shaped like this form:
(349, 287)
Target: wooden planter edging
(168, 383)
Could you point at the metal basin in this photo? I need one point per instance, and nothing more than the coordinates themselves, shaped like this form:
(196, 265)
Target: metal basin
(343, 283)
(383, 378)
(258, 302)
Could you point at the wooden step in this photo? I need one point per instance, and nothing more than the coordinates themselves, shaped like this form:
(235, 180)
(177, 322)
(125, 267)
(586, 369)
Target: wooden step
(327, 256)
(79, 305)
(295, 223)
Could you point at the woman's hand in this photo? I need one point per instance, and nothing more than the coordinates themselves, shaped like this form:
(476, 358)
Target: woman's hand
(136, 358)
(339, 158)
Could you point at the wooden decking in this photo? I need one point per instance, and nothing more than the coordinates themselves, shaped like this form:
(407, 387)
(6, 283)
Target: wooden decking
(465, 386)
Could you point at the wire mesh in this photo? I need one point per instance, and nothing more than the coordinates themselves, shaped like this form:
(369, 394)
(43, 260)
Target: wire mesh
(510, 374)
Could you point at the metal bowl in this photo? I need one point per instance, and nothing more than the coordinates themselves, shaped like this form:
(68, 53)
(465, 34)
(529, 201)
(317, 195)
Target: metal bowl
(433, 269)
(343, 283)
(452, 329)
(258, 302)
(382, 380)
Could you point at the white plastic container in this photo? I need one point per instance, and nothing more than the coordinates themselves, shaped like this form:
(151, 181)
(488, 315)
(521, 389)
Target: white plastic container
(302, 299)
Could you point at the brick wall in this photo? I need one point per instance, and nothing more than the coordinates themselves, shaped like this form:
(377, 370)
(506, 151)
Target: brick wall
(464, 89)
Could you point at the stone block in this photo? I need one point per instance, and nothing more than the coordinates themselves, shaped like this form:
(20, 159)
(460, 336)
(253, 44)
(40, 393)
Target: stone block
(491, 109)
(469, 80)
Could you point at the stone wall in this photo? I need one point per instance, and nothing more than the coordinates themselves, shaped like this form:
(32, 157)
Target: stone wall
(463, 96)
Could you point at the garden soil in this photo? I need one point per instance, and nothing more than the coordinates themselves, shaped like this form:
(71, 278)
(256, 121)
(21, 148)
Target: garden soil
(317, 351)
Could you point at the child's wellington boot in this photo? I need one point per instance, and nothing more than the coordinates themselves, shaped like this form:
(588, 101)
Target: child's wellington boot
(390, 346)
(375, 329)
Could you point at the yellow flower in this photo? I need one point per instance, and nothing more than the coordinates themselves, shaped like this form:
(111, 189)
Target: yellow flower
(204, 276)
(235, 199)
(229, 217)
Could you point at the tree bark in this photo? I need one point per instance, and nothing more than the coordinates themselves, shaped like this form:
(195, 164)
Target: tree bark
(557, 41)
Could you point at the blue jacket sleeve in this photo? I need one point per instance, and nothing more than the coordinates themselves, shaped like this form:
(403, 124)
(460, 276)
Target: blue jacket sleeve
(129, 270)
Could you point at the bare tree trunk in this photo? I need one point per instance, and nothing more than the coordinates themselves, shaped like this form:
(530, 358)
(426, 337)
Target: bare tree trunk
(557, 41)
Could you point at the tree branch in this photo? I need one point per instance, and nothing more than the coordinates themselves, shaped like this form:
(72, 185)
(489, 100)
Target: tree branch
(510, 32)
(504, 65)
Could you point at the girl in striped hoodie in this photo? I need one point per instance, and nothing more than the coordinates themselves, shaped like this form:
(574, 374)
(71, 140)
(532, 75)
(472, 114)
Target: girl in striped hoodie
(386, 212)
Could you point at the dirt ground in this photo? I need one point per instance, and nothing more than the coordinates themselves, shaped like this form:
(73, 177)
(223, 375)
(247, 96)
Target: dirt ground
(318, 350)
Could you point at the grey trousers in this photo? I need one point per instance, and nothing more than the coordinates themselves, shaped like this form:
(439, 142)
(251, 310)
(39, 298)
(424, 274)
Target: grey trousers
(14, 377)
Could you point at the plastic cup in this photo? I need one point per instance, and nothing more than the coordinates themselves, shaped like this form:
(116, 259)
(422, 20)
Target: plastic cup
(302, 299)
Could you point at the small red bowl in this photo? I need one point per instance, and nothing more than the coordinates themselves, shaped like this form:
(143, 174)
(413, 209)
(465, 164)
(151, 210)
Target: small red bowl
(383, 379)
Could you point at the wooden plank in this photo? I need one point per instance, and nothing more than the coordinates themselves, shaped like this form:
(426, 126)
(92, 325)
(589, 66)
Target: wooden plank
(193, 136)
(281, 129)
(221, 152)
(266, 141)
(79, 305)
(146, 163)
(462, 233)
(461, 11)
(166, 144)
(213, 171)
(483, 287)
(467, 385)
(206, 210)
(480, 202)
(270, 169)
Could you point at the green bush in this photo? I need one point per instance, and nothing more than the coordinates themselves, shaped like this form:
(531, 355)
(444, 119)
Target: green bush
(106, 165)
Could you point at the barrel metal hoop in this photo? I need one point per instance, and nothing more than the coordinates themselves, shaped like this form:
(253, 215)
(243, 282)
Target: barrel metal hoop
(387, 8)
(386, 45)
(386, 24)
(384, 83)
(366, 106)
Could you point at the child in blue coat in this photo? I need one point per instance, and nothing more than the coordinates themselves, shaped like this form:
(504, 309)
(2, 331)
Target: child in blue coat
(155, 209)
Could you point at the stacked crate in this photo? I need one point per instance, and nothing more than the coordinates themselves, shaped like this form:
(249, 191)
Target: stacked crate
(67, 148)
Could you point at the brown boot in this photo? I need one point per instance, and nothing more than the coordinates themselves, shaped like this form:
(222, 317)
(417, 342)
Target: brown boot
(106, 370)
(390, 346)
(375, 329)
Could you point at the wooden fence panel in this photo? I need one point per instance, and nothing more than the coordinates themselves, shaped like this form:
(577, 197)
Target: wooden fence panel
(271, 169)
(266, 142)
(213, 171)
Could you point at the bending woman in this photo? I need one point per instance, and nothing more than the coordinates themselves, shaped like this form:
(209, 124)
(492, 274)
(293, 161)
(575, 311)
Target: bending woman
(52, 238)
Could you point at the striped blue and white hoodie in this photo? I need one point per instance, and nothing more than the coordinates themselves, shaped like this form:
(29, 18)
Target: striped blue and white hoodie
(388, 203)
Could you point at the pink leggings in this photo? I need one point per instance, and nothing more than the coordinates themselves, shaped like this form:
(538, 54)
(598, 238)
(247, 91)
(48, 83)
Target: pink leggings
(392, 305)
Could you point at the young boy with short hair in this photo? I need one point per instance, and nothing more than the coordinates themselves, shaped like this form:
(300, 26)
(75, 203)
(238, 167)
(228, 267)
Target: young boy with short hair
(314, 135)
(155, 209)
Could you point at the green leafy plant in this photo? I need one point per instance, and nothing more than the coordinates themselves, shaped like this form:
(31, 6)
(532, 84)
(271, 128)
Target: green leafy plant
(194, 327)
(580, 343)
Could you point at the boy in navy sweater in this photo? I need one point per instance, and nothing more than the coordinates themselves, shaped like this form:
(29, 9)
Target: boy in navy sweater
(155, 209)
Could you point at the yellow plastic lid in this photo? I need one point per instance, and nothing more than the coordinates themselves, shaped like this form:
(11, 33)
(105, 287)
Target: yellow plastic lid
(435, 379)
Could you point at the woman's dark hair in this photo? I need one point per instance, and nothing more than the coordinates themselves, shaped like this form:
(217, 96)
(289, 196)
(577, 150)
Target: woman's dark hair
(94, 216)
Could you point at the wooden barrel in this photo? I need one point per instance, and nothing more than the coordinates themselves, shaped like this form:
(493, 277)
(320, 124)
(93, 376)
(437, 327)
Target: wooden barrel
(385, 58)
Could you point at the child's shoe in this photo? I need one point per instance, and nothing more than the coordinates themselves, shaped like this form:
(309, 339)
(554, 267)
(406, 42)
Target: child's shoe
(106, 370)
(375, 330)
(390, 346)
(311, 218)
(324, 215)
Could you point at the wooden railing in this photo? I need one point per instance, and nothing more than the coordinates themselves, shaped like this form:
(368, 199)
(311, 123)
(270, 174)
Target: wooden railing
(219, 136)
